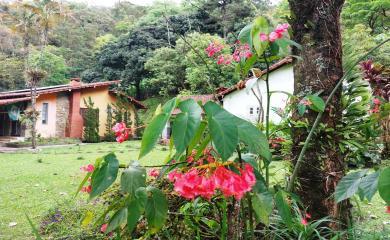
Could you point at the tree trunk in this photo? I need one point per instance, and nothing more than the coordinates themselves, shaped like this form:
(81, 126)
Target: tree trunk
(316, 26)
(33, 91)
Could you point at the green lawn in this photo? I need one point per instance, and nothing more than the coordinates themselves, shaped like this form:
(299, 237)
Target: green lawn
(35, 182)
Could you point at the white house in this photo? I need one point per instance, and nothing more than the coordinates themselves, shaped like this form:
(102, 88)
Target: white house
(242, 101)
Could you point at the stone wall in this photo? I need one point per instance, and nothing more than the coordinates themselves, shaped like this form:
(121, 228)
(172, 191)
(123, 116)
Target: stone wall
(62, 114)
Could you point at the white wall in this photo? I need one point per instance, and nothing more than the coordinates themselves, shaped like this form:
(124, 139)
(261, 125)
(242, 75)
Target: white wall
(239, 102)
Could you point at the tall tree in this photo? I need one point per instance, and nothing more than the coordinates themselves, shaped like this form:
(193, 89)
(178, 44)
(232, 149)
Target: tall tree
(316, 26)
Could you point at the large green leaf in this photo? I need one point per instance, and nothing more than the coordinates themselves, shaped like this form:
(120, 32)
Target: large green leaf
(104, 175)
(283, 207)
(245, 35)
(369, 185)
(318, 103)
(384, 185)
(117, 219)
(349, 185)
(260, 25)
(186, 124)
(263, 205)
(198, 136)
(155, 128)
(133, 178)
(156, 209)
(255, 139)
(135, 208)
(223, 129)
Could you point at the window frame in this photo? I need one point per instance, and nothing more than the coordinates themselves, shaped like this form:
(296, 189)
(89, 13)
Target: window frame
(45, 113)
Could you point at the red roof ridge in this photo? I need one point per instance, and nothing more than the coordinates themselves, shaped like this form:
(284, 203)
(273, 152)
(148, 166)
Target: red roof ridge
(241, 83)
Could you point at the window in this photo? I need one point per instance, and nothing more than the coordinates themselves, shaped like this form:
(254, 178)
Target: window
(45, 113)
(250, 111)
(258, 110)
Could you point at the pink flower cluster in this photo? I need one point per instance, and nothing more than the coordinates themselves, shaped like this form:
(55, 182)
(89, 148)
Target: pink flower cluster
(122, 133)
(195, 182)
(214, 48)
(305, 219)
(306, 102)
(376, 105)
(241, 51)
(277, 33)
(154, 173)
(87, 168)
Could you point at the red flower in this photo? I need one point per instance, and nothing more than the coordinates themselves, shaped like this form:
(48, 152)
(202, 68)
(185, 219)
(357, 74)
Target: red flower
(88, 168)
(213, 48)
(376, 101)
(86, 189)
(304, 221)
(308, 215)
(388, 209)
(122, 133)
(242, 51)
(154, 173)
(306, 102)
(263, 37)
(172, 176)
(103, 228)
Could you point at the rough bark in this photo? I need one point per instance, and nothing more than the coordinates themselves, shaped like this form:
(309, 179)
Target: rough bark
(316, 26)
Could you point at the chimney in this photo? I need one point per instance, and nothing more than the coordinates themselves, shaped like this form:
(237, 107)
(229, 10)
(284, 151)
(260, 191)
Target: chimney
(75, 82)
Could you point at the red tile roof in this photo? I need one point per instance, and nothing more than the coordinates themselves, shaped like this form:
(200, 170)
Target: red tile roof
(56, 89)
(137, 103)
(241, 84)
(13, 100)
(196, 98)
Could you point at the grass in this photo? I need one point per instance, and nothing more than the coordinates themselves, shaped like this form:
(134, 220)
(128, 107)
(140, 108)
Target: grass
(35, 182)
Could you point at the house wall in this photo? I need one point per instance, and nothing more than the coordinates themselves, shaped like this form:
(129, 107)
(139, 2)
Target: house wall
(101, 97)
(239, 102)
(49, 129)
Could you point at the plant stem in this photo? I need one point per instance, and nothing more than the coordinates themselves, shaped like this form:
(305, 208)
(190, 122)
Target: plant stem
(267, 117)
(250, 208)
(224, 222)
(317, 121)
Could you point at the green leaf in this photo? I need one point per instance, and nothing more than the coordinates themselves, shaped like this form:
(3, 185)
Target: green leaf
(133, 178)
(82, 183)
(198, 136)
(156, 209)
(186, 124)
(104, 175)
(255, 139)
(349, 185)
(248, 64)
(384, 185)
(155, 128)
(369, 185)
(223, 129)
(135, 208)
(117, 219)
(301, 109)
(283, 207)
(260, 25)
(245, 35)
(263, 205)
(318, 103)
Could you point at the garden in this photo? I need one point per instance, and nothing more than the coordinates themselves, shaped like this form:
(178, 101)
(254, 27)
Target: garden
(322, 171)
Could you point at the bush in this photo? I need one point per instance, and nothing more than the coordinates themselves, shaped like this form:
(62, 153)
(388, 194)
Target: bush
(91, 122)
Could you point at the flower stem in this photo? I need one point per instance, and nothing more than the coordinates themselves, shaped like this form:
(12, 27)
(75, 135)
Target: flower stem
(267, 117)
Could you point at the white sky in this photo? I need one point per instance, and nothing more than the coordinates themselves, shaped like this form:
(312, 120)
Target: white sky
(109, 3)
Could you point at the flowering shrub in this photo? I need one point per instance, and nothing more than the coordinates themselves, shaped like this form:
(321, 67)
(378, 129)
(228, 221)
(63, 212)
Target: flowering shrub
(122, 133)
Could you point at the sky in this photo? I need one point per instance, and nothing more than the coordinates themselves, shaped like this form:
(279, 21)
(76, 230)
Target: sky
(109, 3)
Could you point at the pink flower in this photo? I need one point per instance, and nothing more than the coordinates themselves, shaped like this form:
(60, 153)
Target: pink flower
(122, 133)
(154, 173)
(241, 51)
(263, 37)
(172, 176)
(103, 228)
(273, 36)
(213, 48)
(88, 168)
(388, 209)
(376, 101)
(86, 189)
(304, 221)
(308, 215)
(220, 60)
